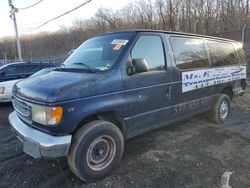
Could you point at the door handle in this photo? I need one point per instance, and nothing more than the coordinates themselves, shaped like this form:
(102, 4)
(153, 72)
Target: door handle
(169, 92)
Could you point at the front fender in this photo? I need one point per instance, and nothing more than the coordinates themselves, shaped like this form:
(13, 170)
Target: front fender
(114, 102)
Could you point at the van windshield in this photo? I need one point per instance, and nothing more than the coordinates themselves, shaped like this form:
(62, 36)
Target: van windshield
(99, 53)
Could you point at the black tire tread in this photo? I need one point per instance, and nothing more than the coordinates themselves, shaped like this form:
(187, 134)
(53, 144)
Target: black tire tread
(215, 110)
(80, 134)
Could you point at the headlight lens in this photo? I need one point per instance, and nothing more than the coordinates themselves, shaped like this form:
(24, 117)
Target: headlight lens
(2, 89)
(50, 116)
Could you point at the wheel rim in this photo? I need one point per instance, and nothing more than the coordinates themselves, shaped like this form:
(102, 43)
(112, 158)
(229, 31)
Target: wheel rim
(224, 108)
(100, 153)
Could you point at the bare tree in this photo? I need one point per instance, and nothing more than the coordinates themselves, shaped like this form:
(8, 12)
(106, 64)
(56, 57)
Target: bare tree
(196, 16)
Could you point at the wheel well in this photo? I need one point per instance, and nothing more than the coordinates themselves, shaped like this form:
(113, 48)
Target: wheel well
(228, 91)
(112, 117)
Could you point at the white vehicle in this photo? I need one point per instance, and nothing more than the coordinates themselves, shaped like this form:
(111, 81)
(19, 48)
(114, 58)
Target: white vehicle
(6, 90)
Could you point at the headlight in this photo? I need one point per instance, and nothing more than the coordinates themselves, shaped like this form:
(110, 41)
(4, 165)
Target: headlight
(50, 116)
(2, 89)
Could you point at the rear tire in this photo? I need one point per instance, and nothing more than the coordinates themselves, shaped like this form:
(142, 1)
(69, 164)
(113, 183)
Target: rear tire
(221, 110)
(96, 150)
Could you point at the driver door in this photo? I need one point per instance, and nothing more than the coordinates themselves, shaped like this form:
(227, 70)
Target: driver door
(148, 93)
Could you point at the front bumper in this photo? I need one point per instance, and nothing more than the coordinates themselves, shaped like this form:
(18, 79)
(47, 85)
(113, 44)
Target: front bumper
(36, 143)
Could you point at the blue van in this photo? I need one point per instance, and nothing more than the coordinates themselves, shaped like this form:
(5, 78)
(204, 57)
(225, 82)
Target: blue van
(21, 70)
(119, 85)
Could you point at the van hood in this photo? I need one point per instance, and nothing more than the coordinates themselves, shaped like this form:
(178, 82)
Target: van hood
(59, 86)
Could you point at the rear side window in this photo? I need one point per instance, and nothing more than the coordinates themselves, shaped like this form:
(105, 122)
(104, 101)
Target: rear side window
(242, 56)
(46, 66)
(32, 68)
(151, 49)
(221, 53)
(189, 53)
(241, 53)
(14, 70)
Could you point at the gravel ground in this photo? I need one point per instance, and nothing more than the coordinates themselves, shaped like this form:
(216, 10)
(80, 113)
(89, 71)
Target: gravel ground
(190, 153)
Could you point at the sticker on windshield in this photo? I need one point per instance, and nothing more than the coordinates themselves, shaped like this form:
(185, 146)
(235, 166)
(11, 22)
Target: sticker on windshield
(119, 41)
(117, 47)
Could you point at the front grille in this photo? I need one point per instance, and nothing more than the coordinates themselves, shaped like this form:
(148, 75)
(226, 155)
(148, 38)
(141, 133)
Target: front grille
(22, 109)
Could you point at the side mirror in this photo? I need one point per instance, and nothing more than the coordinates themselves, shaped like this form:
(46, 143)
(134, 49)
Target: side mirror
(140, 64)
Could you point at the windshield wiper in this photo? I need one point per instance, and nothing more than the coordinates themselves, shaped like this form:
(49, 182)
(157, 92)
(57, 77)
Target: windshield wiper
(86, 65)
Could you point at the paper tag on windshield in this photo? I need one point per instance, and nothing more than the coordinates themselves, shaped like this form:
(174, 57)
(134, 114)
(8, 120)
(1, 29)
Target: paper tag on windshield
(117, 47)
(120, 42)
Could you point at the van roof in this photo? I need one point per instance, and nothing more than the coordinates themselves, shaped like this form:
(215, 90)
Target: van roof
(173, 32)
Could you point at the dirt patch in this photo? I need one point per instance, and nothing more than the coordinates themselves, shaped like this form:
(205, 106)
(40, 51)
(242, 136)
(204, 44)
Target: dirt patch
(243, 101)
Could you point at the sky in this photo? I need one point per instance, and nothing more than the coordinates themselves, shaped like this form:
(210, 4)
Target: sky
(48, 9)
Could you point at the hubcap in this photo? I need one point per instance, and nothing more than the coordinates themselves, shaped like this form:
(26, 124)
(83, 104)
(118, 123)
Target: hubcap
(224, 109)
(100, 153)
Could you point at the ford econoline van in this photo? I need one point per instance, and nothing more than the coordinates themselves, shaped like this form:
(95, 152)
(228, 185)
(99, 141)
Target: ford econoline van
(119, 85)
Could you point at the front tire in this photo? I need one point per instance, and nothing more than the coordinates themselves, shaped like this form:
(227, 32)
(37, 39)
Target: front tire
(96, 150)
(221, 110)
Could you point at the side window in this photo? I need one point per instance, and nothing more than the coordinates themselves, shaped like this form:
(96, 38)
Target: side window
(14, 70)
(32, 68)
(43, 66)
(189, 53)
(151, 49)
(221, 53)
(242, 56)
(241, 53)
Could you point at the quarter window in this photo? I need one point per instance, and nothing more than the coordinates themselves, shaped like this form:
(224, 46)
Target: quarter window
(32, 68)
(221, 53)
(242, 56)
(151, 49)
(241, 53)
(189, 53)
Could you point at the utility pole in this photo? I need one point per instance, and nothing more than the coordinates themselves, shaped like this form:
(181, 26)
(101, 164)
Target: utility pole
(243, 34)
(13, 17)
